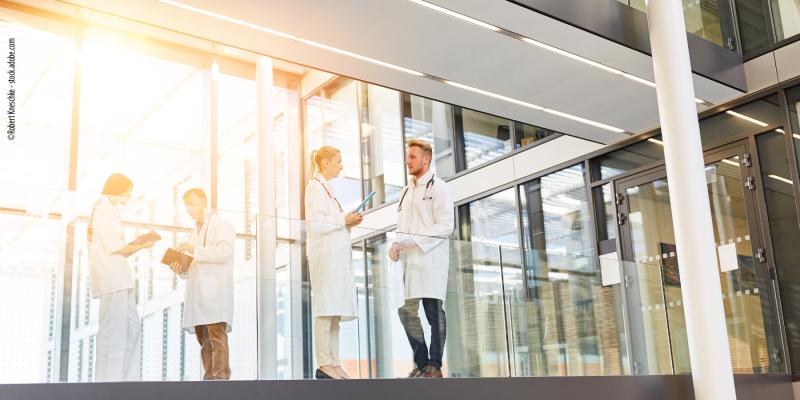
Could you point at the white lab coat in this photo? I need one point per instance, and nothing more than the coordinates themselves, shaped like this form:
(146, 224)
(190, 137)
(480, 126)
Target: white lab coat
(425, 216)
(118, 346)
(329, 254)
(109, 272)
(209, 279)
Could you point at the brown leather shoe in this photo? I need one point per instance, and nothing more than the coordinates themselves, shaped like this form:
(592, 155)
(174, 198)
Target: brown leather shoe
(432, 372)
(415, 373)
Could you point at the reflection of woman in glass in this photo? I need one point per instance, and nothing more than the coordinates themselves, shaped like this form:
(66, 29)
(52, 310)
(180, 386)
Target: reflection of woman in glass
(329, 261)
(118, 349)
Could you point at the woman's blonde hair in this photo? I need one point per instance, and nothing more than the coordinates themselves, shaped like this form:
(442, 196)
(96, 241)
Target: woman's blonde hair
(322, 153)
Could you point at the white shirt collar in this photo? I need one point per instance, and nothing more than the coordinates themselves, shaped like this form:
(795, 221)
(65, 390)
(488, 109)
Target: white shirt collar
(322, 179)
(424, 178)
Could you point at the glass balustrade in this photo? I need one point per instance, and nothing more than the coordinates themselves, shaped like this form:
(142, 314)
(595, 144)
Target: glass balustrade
(509, 311)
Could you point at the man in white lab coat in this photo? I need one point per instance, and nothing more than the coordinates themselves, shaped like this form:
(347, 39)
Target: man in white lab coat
(208, 306)
(424, 224)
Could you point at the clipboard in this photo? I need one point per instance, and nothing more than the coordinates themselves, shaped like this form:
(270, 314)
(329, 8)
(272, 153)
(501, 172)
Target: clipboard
(172, 255)
(151, 236)
(364, 203)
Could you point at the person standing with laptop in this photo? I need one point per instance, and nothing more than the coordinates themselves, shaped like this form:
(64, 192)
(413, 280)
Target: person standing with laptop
(424, 224)
(329, 260)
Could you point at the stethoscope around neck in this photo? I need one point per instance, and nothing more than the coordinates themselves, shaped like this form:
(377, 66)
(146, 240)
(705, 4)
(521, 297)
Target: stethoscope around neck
(425, 196)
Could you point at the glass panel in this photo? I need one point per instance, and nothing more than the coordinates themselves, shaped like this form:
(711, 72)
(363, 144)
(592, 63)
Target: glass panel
(605, 207)
(742, 119)
(389, 352)
(237, 152)
(560, 287)
(332, 120)
(631, 157)
(31, 256)
(659, 300)
(783, 224)
(493, 219)
(555, 213)
(486, 137)
(785, 18)
(702, 17)
(476, 334)
(383, 144)
(37, 155)
(563, 321)
(754, 30)
(154, 136)
(432, 122)
(529, 134)
(793, 99)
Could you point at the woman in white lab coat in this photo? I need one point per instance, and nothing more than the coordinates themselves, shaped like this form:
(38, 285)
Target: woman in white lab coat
(118, 347)
(329, 260)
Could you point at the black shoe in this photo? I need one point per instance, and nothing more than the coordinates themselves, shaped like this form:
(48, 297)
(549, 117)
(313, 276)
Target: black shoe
(321, 375)
(415, 373)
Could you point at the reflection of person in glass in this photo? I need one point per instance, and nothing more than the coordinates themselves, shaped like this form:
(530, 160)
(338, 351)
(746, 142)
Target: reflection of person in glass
(208, 306)
(118, 346)
(424, 222)
(329, 261)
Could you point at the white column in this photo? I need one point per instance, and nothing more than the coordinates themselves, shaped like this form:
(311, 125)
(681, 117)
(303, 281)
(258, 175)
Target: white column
(707, 334)
(296, 157)
(208, 140)
(266, 233)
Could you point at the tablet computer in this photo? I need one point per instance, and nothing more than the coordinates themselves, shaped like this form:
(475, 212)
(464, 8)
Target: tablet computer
(364, 203)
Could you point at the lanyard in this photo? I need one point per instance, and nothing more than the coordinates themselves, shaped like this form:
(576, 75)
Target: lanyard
(425, 196)
(330, 195)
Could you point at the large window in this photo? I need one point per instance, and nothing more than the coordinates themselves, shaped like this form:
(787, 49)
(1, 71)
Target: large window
(486, 137)
(331, 119)
(151, 130)
(237, 146)
(382, 141)
(34, 169)
(562, 288)
(38, 155)
(486, 264)
(785, 18)
(432, 122)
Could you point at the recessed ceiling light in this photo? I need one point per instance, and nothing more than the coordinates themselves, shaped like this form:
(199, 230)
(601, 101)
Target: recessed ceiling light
(456, 15)
(746, 118)
(537, 107)
(542, 45)
(780, 178)
(393, 66)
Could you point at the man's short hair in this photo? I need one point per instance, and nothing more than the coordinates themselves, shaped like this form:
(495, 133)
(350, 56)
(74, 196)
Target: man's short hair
(422, 145)
(196, 192)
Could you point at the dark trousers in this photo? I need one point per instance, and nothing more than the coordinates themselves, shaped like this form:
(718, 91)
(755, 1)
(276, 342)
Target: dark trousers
(409, 317)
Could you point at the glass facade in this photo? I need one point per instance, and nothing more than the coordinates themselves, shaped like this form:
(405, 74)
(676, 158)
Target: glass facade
(431, 121)
(747, 26)
(527, 295)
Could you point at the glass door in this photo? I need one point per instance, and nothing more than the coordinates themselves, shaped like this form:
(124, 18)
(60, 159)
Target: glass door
(657, 328)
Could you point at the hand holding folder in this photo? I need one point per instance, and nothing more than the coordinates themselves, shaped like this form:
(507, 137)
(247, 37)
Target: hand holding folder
(174, 256)
(138, 243)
